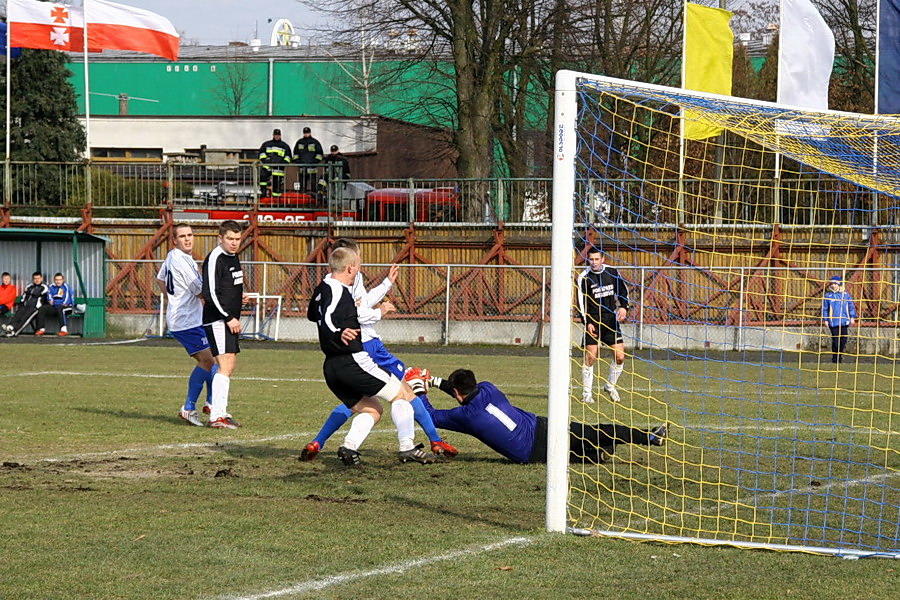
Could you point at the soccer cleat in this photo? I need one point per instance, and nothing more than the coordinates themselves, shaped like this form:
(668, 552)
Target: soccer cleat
(206, 409)
(63, 333)
(658, 435)
(612, 391)
(231, 420)
(39, 332)
(442, 448)
(191, 416)
(349, 457)
(587, 397)
(222, 423)
(417, 454)
(310, 451)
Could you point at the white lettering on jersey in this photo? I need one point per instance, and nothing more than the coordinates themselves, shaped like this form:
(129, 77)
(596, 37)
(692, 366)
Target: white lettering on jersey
(501, 416)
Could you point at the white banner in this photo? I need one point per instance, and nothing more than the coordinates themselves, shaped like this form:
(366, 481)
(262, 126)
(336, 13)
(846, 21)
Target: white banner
(805, 56)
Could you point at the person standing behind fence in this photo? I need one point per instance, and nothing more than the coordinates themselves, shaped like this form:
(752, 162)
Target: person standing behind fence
(273, 156)
(839, 314)
(63, 301)
(180, 280)
(307, 152)
(339, 166)
(8, 294)
(223, 296)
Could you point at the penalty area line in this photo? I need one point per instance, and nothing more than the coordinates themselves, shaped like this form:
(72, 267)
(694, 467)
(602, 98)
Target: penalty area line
(317, 584)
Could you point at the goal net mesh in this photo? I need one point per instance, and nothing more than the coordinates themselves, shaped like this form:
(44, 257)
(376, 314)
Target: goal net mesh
(728, 246)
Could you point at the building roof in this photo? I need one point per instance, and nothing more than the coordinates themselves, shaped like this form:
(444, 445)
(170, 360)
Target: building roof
(17, 234)
(245, 52)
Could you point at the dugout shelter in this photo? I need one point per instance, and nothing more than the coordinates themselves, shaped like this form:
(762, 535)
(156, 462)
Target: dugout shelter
(80, 256)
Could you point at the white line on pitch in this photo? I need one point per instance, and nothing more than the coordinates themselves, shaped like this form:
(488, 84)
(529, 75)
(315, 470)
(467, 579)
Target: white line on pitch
(153, 376)
(314, 585)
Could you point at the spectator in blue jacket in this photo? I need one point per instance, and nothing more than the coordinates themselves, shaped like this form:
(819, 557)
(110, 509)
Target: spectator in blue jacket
(485, 413)
(839, 314)
(63, 302)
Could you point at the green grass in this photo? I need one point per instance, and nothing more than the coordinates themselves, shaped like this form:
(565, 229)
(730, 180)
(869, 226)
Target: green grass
(105, 494)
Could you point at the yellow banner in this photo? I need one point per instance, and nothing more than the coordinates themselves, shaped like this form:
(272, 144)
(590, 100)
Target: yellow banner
(708, 54)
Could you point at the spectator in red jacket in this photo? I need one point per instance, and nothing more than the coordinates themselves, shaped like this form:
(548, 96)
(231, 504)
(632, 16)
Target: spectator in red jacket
(8, 294)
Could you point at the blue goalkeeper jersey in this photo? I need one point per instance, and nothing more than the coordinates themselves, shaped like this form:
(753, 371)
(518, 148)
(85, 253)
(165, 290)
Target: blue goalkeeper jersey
(489, 417)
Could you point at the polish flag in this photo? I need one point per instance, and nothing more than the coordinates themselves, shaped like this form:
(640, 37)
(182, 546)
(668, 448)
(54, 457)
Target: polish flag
(114, 26)
(44, 25)
(111, 26)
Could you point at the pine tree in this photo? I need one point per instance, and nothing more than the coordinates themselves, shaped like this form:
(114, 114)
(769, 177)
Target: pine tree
(43, 129)
(44, 123)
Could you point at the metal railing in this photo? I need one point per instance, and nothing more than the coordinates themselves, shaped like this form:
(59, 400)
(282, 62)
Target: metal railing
(198, 187)
(192, 187)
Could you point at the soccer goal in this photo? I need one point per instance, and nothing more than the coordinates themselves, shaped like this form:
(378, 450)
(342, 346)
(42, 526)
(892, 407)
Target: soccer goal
(782, 433)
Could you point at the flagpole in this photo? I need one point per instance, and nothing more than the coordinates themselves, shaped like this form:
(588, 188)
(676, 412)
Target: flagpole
(877, 53)
(679, 210)
(7, 172)
(87, 93)
(87, 109)
(776, 191)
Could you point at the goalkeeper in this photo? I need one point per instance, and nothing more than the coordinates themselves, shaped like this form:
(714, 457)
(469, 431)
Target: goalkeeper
(485, 413)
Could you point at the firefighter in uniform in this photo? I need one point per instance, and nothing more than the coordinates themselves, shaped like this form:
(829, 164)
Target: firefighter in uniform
(307, 152)
(273, 155)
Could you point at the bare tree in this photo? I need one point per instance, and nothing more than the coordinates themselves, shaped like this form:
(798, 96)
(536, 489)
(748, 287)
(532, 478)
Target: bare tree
(238, 89)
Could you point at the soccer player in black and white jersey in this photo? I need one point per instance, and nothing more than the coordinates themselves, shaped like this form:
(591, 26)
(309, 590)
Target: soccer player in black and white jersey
(180, 280)
(223, 296)
(602, 304)
(350, 372)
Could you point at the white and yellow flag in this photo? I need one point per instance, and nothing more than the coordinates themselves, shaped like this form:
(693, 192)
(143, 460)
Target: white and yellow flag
(708, 56)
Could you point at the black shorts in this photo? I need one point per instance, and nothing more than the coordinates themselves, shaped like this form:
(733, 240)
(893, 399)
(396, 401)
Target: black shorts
(221, 340)
(608, 330)
(352, 377)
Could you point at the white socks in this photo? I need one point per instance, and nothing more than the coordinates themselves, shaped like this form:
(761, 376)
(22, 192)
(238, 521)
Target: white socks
(403, 416)
(614, 371)
(587, 381)
(221, 384)
(360, 427)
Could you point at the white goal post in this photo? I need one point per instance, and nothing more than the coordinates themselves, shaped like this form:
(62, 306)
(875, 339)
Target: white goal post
(788, 440)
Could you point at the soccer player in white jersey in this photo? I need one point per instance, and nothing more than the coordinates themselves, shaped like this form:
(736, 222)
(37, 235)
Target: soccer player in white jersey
(181, 281)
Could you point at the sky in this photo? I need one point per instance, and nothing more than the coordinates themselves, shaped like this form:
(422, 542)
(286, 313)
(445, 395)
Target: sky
(217, 22)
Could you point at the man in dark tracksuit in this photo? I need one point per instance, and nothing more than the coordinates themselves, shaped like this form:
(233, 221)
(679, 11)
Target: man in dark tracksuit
(35, 297)
(485, 413)
(273, 155)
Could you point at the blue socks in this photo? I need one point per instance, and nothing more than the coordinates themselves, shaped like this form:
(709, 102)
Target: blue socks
(198, 378)
(424, 420)
(335, 420)
(195, 386)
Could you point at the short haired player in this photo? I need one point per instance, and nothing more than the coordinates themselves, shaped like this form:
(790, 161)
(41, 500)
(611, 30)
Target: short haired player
(223, 296)
(350, 373)
(602, 303)
(180, 280)
(372, 344)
